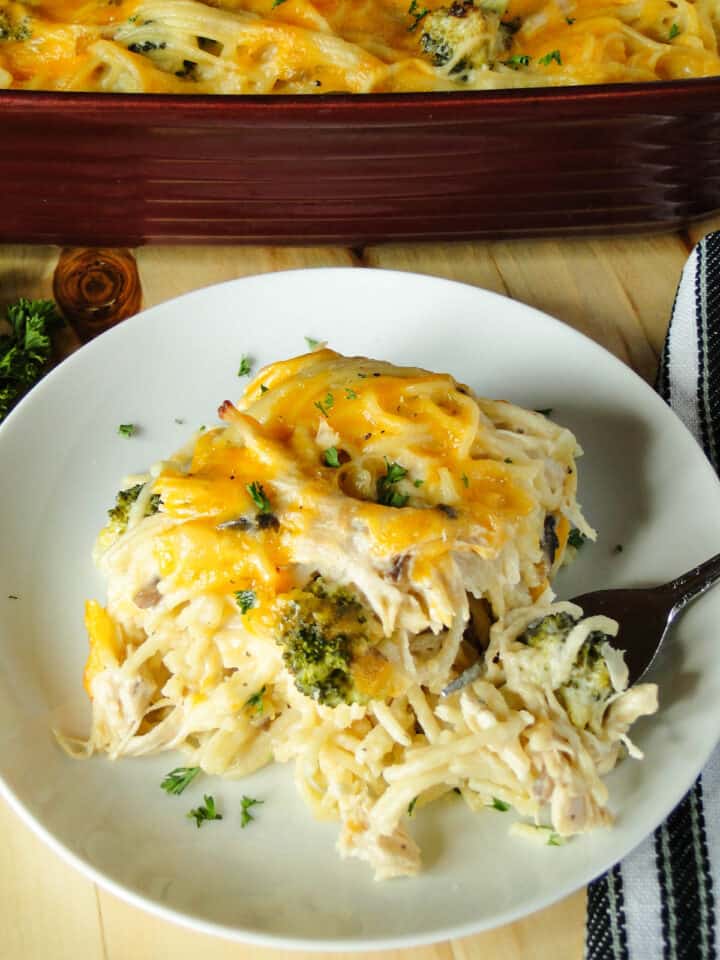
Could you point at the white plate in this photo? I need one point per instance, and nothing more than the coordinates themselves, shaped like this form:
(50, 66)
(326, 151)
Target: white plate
(643, 482)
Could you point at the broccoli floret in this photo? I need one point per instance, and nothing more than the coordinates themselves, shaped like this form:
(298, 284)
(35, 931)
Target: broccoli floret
(548, 631)
(589, 683)
(120, 513)
(328, 638)
(14, 31)
(464, 37)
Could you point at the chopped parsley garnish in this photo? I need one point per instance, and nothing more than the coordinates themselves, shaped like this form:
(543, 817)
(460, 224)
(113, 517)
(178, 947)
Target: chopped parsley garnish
(245, 366)
(549, 57)
(500, 805)
(576, 539)
(674, 31)
(570, 20)
(179, 778)
(411, 806)
(350, 394)
(276, 3)
(518, 60)
(386, 493)
(417, 14)
(555, 840)
(395, 472)
(466, 482)
(256, 700)
(312, 343)
(126, 429)
(246, 600)
(418, 482)
(259, 497)
(245, 816)
(263, 388)
(325, 405)
(545, 411)
(206, 811)
(331, 457)
(25, 351)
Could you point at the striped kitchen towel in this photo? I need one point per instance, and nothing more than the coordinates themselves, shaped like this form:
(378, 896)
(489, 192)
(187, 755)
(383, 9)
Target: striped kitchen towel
(663, 901)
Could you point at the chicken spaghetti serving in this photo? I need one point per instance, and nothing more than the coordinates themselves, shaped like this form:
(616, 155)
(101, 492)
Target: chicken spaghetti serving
(354, 573)
(332, 46)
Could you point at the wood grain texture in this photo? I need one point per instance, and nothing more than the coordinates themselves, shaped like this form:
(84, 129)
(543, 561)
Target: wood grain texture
(619, 291)
(170, 271)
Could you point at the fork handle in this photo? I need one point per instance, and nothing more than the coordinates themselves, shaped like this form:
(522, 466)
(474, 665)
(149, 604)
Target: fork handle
(696, 581)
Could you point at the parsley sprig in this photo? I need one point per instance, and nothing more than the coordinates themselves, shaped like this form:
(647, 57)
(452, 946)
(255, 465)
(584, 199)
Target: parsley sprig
(26, 349)
(331, 457)
(255, 702)
(518, 60)
(178, 779)
(245, 816)
(259, 497)
(386, 492)
(245, 366)
(417, 14)
(206, 811)
(325, 405)
(554, 55)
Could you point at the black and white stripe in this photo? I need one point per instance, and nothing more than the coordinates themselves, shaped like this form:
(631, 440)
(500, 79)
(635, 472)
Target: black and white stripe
(683, 869)
(606, 935)
(662, 902)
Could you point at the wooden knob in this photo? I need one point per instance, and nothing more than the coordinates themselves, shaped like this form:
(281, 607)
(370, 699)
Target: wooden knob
(96, 288)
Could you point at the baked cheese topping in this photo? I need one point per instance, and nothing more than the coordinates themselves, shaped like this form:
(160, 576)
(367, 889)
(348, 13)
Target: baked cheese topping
(336, 46)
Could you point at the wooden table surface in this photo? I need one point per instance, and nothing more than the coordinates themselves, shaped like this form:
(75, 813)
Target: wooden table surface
(619, 291)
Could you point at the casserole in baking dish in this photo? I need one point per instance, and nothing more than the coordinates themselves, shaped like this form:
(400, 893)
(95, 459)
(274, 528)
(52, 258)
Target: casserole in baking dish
(453, 162)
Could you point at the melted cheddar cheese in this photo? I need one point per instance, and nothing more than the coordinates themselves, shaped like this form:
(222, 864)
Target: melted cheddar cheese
(330, 46)
(368, 414)
(366, 472)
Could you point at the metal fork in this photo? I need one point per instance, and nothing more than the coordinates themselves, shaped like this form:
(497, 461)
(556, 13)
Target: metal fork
(645, 614)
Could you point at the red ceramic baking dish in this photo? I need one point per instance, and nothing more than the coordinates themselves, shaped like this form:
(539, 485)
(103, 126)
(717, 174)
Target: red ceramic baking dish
(129, 169)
